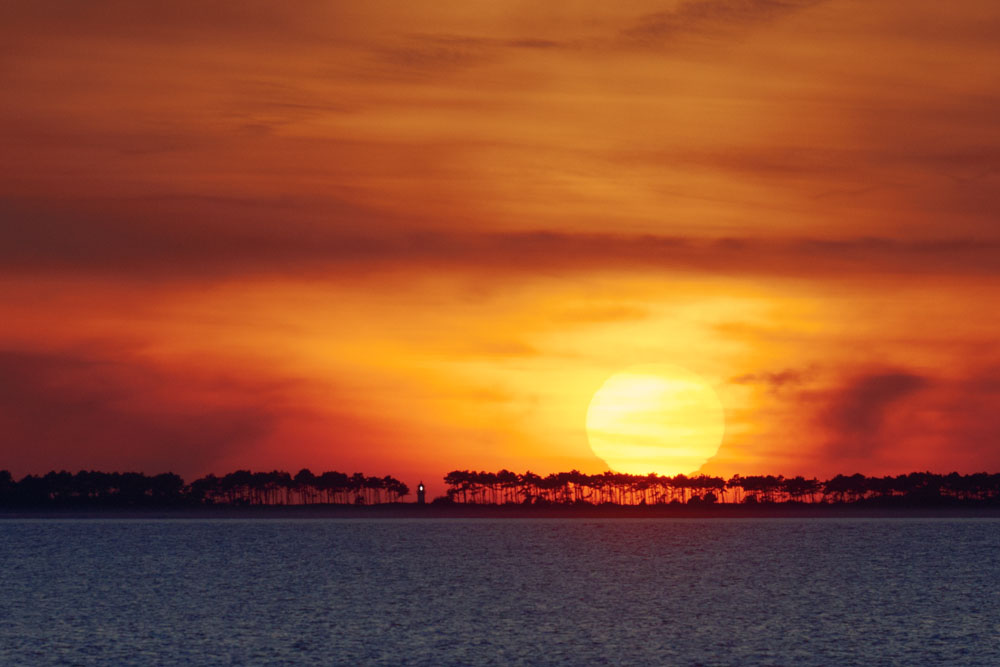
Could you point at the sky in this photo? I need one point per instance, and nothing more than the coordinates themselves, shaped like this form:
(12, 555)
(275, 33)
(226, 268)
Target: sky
(405, 238)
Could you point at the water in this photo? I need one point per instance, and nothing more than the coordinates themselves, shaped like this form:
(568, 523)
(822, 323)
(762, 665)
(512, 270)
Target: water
(658, 591)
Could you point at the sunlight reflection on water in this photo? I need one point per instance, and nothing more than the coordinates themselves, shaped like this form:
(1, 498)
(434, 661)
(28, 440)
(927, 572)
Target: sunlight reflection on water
(546, 591)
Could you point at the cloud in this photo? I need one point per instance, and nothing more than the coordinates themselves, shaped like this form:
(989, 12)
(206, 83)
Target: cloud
(859, 409)
(424, 54)
(862, 403)
(87, 409)
(708, 19)
(270, 243)
(181, 20)
(775, 381)
(436, 53)
(533, 43)
(874, 420)
(603, 314)
(896, 421)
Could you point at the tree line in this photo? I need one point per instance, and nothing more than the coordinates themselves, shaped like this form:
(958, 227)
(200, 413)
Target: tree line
(574, 487)
(241, 487)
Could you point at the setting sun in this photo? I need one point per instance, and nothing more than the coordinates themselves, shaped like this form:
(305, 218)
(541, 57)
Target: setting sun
(656, 418)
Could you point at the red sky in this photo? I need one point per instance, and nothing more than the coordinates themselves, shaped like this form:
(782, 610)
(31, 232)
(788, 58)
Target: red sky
(401, 239)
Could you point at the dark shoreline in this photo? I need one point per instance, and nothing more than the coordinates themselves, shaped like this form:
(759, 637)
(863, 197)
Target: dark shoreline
(414, 511)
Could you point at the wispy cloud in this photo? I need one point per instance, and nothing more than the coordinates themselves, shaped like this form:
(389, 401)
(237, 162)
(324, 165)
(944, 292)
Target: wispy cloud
(32, 241)
(775, 381)
(708, 19)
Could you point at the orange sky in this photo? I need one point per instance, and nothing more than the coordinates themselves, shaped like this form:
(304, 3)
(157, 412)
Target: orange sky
(407, 237)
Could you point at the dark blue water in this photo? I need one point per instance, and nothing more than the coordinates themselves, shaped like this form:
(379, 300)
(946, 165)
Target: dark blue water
(658, 591)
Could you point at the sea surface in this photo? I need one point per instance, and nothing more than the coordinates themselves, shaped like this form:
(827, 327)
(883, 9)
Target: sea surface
(503, 591)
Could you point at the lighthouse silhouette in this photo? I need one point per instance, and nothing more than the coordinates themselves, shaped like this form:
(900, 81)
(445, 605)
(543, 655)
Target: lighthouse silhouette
(421, 494)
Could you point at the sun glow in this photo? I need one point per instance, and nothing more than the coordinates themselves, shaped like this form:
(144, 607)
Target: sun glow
(655, 418)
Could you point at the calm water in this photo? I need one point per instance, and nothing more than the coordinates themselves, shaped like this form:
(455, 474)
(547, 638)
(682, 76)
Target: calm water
(659, 591)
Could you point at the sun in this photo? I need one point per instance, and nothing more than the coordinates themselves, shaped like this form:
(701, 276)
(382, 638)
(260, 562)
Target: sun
(655, 418)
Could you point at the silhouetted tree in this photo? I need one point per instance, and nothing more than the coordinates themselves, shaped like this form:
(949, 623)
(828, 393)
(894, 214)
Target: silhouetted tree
(305, 486)
(243, 487)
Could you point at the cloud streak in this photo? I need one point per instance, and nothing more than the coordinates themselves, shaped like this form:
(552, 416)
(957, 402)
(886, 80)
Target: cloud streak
(31, 243)
(774, 380)
(708, 19)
